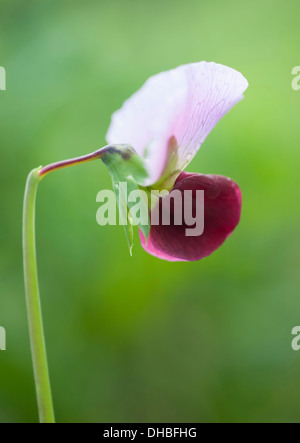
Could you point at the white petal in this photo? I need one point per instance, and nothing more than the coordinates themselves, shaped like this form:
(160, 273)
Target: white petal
(186, 102)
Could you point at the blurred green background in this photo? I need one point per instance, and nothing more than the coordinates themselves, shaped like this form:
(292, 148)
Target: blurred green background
(139, 339)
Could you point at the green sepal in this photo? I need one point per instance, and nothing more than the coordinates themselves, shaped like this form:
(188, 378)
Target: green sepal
(123, 214)
(126, 166)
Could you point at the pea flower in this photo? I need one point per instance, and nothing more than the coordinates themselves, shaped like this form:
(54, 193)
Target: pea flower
(152, 139)
(166, 122)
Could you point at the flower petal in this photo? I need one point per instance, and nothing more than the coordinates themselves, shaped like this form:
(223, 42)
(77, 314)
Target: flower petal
(184, 103)
(222, 209)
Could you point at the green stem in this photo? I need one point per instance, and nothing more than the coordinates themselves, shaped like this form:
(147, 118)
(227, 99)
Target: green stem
(36, 331)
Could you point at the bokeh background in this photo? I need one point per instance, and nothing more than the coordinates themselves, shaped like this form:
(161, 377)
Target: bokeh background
(136, 339)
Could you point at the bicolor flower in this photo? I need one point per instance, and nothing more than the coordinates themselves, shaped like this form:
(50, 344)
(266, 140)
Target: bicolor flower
(166, 122)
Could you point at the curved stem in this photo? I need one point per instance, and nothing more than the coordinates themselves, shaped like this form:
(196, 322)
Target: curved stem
(74, 161)
(36, 331)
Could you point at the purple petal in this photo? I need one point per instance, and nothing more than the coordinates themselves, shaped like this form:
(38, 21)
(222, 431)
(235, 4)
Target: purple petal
(185, 103)
(222, 209)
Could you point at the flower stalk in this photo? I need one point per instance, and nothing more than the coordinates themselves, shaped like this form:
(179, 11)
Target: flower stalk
(34, 313)
(36, 331)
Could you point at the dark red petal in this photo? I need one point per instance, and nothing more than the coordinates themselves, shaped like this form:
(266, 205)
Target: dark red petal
(222, 209)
